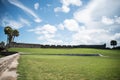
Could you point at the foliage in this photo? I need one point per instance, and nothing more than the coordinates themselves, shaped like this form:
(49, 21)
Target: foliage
(113, 43)
(15, 33)
(8, 31)
(11, 34)
(2, 46)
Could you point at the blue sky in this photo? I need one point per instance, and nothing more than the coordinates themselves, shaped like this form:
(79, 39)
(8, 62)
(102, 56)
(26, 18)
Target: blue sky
(69, 22)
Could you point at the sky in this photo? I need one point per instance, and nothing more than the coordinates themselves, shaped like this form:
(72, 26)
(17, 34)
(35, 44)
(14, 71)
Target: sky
(62, 22)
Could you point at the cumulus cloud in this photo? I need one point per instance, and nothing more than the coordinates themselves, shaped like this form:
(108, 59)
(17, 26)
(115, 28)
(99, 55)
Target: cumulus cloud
(54, 41)
(94, 11)
(61, 26)
(65, 5)
(100, 24)
(92, 36)
(62, 9)
(97, 19)
(36, 6)
(109, 21)
(47, 31)
(71, 25)
(7, 21)
(117, 19)
(37, 20)
(92, 24)
(117, 36)
(26, 9)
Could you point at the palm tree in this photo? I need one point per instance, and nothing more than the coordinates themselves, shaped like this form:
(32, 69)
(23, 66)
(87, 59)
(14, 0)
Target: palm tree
(113, 43)
(8, 31)
(11, 34)
(15, 34)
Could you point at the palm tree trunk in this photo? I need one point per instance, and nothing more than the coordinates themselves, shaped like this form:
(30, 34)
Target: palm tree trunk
(7, 39)
(7, 45)
(13, 38)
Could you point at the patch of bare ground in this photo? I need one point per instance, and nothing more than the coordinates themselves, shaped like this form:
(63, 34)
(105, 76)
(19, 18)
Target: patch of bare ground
(11, 72)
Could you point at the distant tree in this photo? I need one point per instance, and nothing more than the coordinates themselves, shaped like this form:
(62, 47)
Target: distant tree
(113, 43)
(11, 34)
(8, 31)
(2, 46)
(15, 34)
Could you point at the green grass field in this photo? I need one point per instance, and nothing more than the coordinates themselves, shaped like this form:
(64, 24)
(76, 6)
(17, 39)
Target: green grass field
(53, 67)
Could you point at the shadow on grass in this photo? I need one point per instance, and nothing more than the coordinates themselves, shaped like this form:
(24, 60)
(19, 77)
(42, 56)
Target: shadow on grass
(7, 53)
(66, 54)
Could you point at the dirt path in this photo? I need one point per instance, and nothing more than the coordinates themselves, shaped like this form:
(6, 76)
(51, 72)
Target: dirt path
(11, 72)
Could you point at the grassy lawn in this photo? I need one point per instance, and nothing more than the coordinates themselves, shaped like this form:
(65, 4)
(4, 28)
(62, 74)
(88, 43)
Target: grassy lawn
(112, 53)
(53, 67)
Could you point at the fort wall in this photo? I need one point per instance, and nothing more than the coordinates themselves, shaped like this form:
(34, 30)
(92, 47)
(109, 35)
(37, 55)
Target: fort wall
(28, 45)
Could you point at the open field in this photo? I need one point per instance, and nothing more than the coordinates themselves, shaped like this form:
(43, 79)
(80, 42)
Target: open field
(54, 67)
(38, 51)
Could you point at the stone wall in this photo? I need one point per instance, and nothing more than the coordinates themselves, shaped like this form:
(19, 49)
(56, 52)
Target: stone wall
(28, 45)
(25, 45)
(5, 62)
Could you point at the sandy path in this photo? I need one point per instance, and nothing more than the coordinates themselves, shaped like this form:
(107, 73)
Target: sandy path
(11, 72)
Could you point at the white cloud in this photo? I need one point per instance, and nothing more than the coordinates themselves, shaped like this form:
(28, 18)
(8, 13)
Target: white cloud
(61, 26)
(36, 6)
(47, 31)
(95, 29)
(65, 5)
(93, 17)
(117, 19)
(71, 25)
(71, 2)
(47, 34)
(110, 21)
(49, 28)
(13, 24)
(37, 20)
(92, 36)
(24, 21)
(99, 23)
(26, 9)
(54, 42)
(63, 9)
(117, 36)
(107, 21)
(94, 11)
(6, 21)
